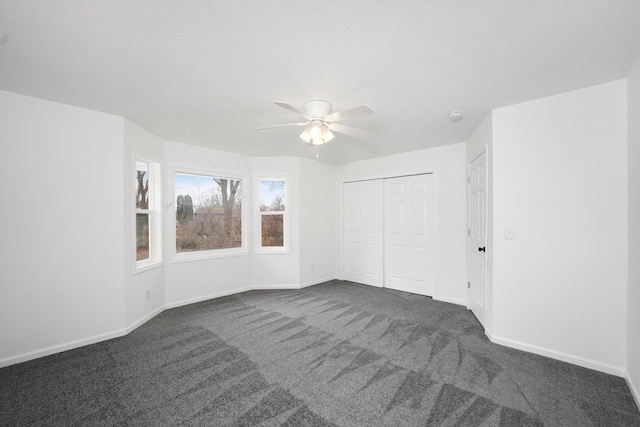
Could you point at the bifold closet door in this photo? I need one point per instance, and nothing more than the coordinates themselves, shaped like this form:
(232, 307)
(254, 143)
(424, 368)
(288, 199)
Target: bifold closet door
(363, 246)
(409, 234)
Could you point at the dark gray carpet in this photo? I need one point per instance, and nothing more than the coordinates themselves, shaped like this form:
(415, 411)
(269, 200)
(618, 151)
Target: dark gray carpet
(336, 354)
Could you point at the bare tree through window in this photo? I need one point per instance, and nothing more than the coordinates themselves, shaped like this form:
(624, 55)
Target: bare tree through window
(208, 213)
(272, 212)
(142, 211)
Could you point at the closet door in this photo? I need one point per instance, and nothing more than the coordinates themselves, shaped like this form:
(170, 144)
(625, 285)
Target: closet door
(363, 235)
(409, 234)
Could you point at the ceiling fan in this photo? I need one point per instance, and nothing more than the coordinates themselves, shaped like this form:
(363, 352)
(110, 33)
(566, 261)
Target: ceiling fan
(320, 121)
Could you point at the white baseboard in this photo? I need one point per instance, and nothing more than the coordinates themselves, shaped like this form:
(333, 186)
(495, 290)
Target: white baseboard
(267, 287)
(206, 297)
(144, 319)
(450, 300)
(300, 286)
(489, 335)
(609, 369)
(633, 388)
(35, 354)
(558, 355)
(435, 297)
(47, 351)
(245, 289)
(317, 282)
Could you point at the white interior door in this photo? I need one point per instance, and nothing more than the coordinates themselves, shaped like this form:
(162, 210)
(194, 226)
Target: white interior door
(477, 240)
(409, 234)
(363, 250)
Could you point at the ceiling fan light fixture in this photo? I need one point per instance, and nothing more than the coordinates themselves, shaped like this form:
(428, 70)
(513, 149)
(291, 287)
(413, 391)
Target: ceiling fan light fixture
(317, 133)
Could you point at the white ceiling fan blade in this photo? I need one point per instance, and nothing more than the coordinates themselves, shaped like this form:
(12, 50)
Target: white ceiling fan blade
(351, 113)
(348, 130)
(292, 109)
(286, 124)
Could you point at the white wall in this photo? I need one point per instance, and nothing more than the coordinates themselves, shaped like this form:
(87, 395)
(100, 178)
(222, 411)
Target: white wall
(139, 142)
(61, 227)
(203, 279)
(449, 165)
(633, 298)
(482, 141)
(317, 194)
(560, 178)
(81, 292)
(560, 288)
(278, 269)
(187, 282)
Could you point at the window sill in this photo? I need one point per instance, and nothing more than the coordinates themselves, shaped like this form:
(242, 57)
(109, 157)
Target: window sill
(271, 251)
(206, 255)
(146, 267)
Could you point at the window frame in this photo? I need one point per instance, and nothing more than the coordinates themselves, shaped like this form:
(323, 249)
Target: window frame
(178, 257)
(154, 214)
(259, 249)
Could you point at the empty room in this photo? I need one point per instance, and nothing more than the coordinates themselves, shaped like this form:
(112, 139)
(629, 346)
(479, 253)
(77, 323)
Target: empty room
(320, 213)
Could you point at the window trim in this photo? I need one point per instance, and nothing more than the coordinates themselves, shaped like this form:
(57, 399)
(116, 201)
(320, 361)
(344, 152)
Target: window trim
(155, 216)
(265, 250)
(178, 257)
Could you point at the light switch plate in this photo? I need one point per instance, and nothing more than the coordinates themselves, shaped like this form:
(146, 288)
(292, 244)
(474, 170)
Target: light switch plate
(509, 233)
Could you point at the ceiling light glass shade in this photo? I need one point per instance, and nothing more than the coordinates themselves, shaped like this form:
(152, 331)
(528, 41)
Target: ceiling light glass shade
(317, 133)
(326, 134)
(306, 137)
(316, 129)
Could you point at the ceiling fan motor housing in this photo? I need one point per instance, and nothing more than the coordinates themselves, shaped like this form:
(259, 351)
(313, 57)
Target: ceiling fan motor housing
(317, 108)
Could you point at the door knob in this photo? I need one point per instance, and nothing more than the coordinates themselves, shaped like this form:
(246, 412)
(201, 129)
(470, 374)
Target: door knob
(482, 249)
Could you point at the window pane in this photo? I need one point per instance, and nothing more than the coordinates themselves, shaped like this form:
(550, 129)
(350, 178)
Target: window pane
(208, 213)
(272, 230)
(271, 196)
(142, 236)
(141, 185)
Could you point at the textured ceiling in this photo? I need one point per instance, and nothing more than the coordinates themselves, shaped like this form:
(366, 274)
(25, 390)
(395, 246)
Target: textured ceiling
(215, 66)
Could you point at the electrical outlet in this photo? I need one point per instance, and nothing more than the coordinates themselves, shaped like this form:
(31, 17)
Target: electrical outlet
(312, 267)
(147, 294)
